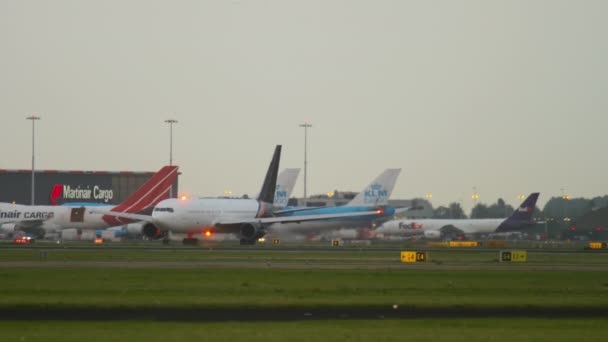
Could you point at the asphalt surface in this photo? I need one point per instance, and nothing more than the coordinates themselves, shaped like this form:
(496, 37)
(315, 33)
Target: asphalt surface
(290, 265)
(299, 248)
(292, 313)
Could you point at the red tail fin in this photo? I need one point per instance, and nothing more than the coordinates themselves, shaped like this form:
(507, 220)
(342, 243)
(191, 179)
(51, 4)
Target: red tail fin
(149, 194)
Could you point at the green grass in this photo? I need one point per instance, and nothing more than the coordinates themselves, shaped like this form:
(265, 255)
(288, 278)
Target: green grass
(468, 330)
(36, 288)
(307, 287)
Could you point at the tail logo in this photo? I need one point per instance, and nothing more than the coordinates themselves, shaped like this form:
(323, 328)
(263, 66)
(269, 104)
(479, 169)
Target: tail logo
(280, 196)
(524, 209)
(56, 193)
(411, 226)
(376, 193)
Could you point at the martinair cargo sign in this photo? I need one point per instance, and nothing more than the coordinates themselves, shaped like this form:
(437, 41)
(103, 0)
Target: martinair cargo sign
(69, 192)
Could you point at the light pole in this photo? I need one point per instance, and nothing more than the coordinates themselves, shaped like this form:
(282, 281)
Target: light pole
(475, 196)
(306, 126)
(171, 122)
(33, 118)
(565, 198)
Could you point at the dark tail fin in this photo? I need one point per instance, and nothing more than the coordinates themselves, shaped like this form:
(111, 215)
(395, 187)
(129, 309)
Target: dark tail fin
(149, 194)
(270, 182)
(521, 216)
(526, 209)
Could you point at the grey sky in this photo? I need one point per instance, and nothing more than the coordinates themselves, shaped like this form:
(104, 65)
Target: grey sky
(508, 96)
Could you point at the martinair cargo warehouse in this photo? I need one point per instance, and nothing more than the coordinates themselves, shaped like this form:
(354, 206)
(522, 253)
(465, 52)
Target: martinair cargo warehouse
(58, 187)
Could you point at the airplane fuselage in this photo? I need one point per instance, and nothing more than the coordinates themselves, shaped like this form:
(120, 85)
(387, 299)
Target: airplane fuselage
(54, 217)
(197, 214)
(416, 227)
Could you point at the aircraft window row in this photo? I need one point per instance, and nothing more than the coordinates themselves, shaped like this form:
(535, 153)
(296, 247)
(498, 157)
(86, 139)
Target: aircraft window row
(170, 210)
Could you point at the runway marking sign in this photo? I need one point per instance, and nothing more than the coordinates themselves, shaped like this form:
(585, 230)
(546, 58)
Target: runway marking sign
(413, 256)
(513, 256)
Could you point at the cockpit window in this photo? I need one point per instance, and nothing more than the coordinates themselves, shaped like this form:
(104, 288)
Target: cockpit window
(169, 210)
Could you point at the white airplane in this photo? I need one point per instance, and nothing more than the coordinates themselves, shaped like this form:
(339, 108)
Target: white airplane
(285, 184)
(249, 218)
(374, 196)
(38, 219)
(437, 228)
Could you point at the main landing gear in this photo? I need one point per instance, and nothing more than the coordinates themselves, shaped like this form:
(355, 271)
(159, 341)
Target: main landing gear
(190, 240)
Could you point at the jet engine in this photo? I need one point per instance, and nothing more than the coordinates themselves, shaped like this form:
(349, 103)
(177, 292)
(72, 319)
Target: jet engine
(8, 228)
(149, 230)
(432, 234)
(250, 232)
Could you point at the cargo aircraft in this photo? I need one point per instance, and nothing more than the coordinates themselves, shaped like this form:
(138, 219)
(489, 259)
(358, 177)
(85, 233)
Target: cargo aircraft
(247, 218)
(438, 228)
(38, 219)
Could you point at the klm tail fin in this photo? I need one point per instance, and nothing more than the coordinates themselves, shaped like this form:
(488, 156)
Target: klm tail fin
(285, 184)
(270, 182)
(379, 191)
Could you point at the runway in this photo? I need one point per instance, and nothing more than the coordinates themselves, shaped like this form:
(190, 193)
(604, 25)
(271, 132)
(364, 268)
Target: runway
(291, 265)
(294, 248)
(277, 314)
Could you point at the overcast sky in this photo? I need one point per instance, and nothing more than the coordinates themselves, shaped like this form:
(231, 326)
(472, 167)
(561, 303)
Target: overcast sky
(508, 96)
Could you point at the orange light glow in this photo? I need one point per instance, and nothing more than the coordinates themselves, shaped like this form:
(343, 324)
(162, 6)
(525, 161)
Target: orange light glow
(207, 233)
(183, 197)
(380, 211)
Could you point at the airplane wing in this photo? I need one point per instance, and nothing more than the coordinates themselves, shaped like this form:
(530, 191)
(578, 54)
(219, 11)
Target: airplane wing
(137, 217)
(301, 218)
(403, 210)
(29, 223)
(294, 210)
(262, 220)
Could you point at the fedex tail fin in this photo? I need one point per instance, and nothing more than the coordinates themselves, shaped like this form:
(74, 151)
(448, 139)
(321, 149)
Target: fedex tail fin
(285, 184)
(148, 195)
(270, 182)
(526, 209)
(522, 216)
(379, 191)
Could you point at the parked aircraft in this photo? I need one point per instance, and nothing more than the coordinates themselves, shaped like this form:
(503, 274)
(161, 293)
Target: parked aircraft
(248, 218)
(437, 228)
(38, 219)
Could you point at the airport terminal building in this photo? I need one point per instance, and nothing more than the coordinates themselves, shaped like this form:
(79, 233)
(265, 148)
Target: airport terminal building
(53, 187)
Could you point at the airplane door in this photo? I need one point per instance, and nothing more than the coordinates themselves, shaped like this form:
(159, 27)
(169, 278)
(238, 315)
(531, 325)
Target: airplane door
(77, 215)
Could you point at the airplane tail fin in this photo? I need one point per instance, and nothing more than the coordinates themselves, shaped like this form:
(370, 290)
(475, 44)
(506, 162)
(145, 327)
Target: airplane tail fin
(149, 194)
(270, 182)
(285, 184)
(522, 216)
(526, 209)
(379, 191)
